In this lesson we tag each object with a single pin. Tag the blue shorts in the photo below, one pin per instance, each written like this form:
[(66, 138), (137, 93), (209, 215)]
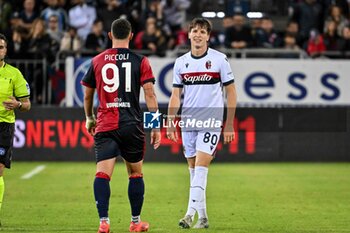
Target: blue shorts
[(128, 142), (7, 131)]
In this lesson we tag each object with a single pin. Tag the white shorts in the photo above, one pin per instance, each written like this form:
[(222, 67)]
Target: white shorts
[(205, 141)]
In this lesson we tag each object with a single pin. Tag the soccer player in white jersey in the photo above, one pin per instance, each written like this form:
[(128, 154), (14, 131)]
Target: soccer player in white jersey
[(200, 75)]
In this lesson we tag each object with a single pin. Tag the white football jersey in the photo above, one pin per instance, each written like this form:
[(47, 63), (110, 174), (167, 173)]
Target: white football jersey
[(202, 79)]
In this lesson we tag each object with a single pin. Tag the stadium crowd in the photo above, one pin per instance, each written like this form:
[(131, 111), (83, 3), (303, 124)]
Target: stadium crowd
[(39, 28), (52, 29)]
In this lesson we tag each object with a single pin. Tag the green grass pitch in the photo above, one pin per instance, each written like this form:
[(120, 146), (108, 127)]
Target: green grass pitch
[(247, 198)]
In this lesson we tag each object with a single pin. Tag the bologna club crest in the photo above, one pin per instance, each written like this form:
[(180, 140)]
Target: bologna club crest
[(208, 65)]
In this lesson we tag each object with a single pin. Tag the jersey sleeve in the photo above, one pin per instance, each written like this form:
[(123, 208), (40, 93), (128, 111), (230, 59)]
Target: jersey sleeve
[(226, 72), (89, 78), (177, 80), (21, 87), (146, 72)]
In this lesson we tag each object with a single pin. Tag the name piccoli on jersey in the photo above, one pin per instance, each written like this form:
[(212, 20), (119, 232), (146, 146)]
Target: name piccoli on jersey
[(117, 57)]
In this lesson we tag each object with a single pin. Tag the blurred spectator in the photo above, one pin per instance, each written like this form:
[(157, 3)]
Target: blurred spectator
[(138, 38), (293, 29), (53, 29), (97, 39), (82, 16), (266, 37), (335, 15), (226, 23), (255, 25), (16, 23), (308, 15), (154, 40), (155, 10), (18, 45), (342, 4), (344, 41), (113, 9), (40, 43), (40, 46), (330, 36), (53, 8), (28, 14), (5, 14), (290, 42), (238, 6), (134, 9), (239, 35), (71, 42), (175, 13), (315, 46), (181, 38)]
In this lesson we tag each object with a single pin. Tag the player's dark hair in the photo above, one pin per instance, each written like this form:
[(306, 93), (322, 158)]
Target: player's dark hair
[(121, 28), (3, 37), (202, 23)]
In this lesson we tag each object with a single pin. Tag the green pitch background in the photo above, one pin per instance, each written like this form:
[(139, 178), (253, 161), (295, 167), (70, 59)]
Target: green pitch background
[(276, 197)]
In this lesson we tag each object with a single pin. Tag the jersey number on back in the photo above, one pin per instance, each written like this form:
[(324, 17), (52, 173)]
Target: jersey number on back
[(113, 83)]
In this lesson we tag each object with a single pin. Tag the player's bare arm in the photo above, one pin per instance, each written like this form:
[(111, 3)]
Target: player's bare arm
[(229, 134), (12, 103), (173, 108), (88, 108), (152, 106)]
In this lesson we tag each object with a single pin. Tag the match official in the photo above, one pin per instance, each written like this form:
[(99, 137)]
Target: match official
[(14, 94)]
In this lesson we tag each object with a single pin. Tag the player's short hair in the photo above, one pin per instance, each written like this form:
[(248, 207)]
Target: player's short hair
[(121, 28), (202, 23), (3, 37)]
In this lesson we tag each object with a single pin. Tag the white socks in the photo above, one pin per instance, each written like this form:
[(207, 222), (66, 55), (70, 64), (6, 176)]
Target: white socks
[(135, 219), (105, 219), (190, 211), (197, 200)]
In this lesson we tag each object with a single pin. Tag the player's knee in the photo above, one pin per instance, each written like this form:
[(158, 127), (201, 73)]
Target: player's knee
[(135, 175), (102, 175)]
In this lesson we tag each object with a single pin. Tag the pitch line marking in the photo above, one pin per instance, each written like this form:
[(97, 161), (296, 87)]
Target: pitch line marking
[(33, 172)]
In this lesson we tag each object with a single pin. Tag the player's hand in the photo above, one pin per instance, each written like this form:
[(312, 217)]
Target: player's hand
[(11, 103), (172, 135), (90, 124), (229, 134), (155, 138)]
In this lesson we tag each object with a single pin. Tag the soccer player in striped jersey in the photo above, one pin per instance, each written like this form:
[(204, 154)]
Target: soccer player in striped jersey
[(118, 74), (200, 75)]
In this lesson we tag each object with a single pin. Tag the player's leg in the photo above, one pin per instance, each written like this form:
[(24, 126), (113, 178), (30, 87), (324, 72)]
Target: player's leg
[(189, 146), (6, 138), (136, 191), (2, 184), (106, 151), (191, 167), (205, 145), (132, 148), (198, 188), (104, 170)]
